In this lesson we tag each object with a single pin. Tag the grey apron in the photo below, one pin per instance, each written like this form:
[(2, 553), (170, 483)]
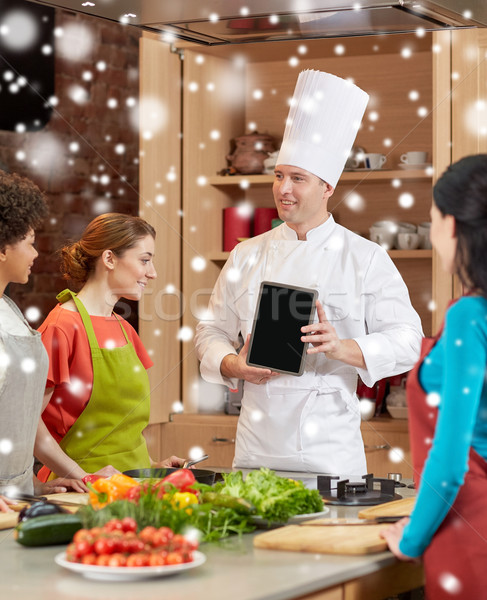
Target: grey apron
[(21, 397)]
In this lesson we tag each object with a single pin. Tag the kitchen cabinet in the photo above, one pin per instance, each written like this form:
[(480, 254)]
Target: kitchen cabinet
[(386, 441), (422, 91), (214, 434), (387, 449)]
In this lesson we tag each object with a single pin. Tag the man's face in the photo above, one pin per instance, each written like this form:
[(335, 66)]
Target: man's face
[(301, 198)]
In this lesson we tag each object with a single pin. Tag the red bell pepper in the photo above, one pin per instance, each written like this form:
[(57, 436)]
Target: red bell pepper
[(182, 480), (91, 478)]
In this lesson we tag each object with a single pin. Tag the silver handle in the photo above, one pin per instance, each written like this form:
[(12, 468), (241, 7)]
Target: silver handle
[(378, 447), (223, 440), (190, 463)]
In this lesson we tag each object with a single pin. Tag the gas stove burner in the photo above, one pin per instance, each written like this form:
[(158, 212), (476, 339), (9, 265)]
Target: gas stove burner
[(356, 487), (372, 490)]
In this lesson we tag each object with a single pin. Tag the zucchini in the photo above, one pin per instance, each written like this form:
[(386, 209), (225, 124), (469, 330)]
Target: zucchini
[(48, 530)]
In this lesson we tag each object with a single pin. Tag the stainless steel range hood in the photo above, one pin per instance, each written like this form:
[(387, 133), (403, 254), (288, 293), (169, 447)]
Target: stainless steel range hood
[(214, 22)]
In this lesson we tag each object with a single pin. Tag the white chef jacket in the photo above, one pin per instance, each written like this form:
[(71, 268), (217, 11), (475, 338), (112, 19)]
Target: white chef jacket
[(311, 422)]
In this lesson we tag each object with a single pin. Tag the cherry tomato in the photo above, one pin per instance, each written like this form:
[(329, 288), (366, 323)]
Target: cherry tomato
[(129, 524), (156, 560), (141, 559), (113, 525), (117, 560), (174, 558), (179, 542), (71, 553), (104, 545), (147, 534), (89, 559), (82, 548), (82, 534), (102, 560), (162, 537), (136, 545)]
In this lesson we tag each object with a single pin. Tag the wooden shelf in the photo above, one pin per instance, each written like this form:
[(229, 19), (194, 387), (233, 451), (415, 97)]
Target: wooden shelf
[(363, 176), (221, 257)]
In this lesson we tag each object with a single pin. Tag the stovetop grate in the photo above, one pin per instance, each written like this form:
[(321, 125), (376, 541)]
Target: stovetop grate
[(371, 490)]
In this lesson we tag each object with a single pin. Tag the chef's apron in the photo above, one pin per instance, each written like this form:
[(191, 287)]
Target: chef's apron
[(109, 430), (309, 423), (21, 397), (457, 554)]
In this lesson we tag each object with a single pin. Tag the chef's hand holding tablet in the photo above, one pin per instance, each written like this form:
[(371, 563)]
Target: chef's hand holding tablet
[(322, 337), (235, 365)]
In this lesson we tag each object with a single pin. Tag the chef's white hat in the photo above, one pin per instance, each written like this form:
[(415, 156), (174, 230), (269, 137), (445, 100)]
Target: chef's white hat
[(322, 124)]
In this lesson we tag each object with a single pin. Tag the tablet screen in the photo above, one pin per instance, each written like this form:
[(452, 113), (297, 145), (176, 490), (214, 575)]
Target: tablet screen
[(275, 342)]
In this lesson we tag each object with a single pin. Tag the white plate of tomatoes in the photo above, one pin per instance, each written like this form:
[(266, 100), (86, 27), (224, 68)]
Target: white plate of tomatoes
[(117, 552), (127, 573)]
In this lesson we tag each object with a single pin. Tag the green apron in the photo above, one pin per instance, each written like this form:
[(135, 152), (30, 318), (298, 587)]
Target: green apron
[(109, 430)]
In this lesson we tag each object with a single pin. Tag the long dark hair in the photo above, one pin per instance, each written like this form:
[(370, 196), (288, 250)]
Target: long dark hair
[(462, 192)]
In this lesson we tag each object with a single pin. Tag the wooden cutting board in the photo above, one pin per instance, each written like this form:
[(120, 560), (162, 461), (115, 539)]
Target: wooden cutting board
[(397, 508), (73, 497), (333, 539), (8, 520)]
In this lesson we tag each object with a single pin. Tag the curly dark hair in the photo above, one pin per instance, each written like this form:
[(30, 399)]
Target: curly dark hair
[(22, 208), (462, 192)]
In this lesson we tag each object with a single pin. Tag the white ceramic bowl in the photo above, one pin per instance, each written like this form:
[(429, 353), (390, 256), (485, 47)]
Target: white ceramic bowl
[(398, 412)]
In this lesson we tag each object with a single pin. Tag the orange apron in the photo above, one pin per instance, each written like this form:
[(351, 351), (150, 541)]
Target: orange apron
[(455, 562)]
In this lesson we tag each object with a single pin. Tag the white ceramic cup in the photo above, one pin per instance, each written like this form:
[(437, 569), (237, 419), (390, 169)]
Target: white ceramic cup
[(403, 227), (383, 236), (424, 235), (414, 158), (374, 160), (408, 241)]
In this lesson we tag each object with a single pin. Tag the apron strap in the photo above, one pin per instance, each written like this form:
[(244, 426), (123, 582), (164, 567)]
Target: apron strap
[(66, 295)]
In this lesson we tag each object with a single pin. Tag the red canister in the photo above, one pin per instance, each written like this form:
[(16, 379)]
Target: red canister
[(236, 224), (263, 219)]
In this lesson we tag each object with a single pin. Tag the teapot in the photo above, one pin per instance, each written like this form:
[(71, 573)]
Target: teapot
[(355, 157), (250, 152)]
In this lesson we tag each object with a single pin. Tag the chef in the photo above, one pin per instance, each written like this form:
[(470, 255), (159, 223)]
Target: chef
[(365, 323)]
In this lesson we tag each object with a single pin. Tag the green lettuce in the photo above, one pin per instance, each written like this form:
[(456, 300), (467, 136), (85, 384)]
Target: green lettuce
[(275, 498)]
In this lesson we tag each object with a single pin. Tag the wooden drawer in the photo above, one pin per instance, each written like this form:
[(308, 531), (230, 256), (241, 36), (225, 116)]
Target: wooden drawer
[(387, 447), (214, 434)]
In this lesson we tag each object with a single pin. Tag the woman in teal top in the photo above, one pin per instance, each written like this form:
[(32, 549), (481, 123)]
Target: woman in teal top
[(447, 396)]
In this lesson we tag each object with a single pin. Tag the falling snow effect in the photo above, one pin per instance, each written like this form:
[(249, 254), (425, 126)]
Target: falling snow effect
[(450, 583)]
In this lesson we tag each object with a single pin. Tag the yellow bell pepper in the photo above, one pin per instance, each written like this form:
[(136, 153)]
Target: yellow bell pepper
[(182, 500)]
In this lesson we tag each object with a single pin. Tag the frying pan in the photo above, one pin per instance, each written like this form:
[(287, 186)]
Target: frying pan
[(201, 475)]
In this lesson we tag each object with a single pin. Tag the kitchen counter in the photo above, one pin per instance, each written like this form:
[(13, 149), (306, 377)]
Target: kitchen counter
[(233, 569)]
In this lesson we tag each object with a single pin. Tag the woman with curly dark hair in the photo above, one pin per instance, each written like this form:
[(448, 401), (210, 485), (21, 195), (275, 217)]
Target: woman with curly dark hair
[(447, 398), (23, 360)]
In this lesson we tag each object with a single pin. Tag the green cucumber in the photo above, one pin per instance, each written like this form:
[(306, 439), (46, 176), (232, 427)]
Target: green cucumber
[(48, 530)]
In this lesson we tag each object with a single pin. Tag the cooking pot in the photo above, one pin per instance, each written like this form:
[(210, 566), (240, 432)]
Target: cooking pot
[(201, 475)]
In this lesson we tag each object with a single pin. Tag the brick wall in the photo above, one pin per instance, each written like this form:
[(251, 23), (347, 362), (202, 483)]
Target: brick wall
[(94, 166)]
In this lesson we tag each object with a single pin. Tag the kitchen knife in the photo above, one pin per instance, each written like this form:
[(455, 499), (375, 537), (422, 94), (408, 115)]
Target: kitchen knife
[(31, 498), (345, 521)]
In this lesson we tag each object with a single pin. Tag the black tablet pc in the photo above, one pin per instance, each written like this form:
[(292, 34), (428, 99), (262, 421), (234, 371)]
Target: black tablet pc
[(275, 341)]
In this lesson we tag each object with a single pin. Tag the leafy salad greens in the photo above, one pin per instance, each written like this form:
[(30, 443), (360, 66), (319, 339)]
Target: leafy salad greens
[(275, 498)]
